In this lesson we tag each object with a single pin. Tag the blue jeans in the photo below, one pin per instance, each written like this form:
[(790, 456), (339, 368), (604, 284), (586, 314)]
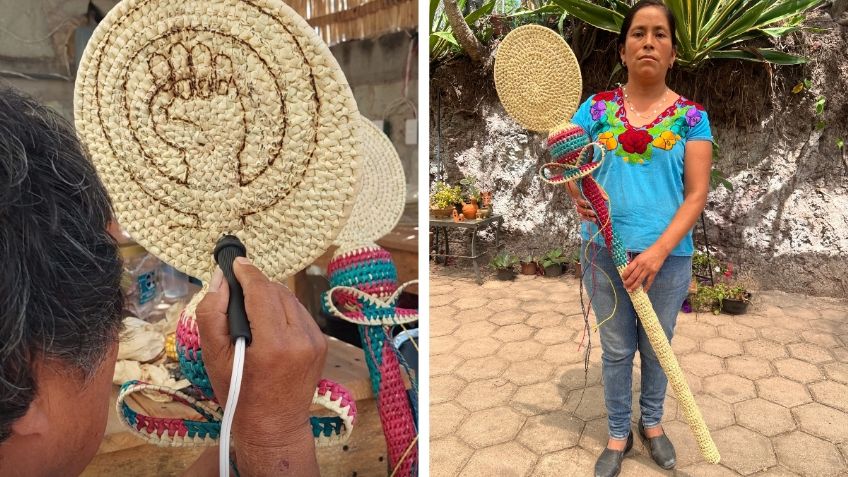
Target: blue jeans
[(623, 334)]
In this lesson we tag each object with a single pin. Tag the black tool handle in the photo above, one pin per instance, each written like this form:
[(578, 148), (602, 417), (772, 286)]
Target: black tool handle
[(228, 248)]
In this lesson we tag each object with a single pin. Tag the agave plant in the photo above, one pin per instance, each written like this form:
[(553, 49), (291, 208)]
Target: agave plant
[(708, 29)]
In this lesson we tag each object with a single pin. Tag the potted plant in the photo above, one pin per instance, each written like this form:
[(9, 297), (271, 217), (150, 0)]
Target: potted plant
[(472, 193), (735, 292), (444, 199), (529, 265), (504, 263), (729, 295), (552, 262)]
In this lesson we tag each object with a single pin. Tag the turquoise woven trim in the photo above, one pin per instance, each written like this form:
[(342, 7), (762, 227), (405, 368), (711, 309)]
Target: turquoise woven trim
[(203, 429), (562, 148), (326, 426), (373, 311), (129, 414), (353, 276), (194, 370), (619, 256), (373, 352)]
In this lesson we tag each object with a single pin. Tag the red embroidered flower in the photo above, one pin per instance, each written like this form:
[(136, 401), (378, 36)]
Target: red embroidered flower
[(635, 141), (605, 96)]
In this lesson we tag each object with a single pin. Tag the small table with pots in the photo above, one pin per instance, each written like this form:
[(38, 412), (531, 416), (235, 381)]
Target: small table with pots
[(439, 228)]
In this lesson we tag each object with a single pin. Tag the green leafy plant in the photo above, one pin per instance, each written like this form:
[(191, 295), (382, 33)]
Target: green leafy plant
[(702, 263), (442, 41), (530, 259), (470, 190), (802, 85), (504, 260), (712, 298), (553, 257), (711, 29), (445, 196)]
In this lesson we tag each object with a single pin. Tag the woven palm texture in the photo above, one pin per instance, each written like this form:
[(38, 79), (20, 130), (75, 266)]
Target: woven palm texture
[(573, 154), (364, 290), (205, 429), (213, 117)]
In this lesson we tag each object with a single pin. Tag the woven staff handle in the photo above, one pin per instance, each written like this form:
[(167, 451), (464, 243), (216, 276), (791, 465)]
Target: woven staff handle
[(645, 311), (204, 432), (376, 301)]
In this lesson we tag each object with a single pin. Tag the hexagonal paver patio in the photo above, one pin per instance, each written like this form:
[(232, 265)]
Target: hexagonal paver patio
[(510, 396)]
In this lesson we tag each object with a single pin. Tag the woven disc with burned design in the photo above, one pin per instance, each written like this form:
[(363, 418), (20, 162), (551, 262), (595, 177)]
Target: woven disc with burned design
[(219, 116)]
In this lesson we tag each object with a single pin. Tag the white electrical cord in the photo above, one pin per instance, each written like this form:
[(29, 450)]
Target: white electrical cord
[(230, 410)]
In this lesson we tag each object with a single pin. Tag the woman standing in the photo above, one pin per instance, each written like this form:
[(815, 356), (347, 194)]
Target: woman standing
[(656, 173)]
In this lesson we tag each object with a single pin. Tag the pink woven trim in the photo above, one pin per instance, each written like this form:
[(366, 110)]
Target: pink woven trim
[(357, 257), (395, 412), (337, 391), (567, 132), (381, 289), (187, 335), (159, 425)]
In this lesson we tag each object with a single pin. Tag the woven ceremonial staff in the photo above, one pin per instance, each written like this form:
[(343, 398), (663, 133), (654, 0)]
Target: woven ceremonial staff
[(538, 80), (364, 290)]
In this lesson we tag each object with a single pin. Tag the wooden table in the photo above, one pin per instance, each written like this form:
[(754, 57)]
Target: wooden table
[(441, 226), (122, 453)]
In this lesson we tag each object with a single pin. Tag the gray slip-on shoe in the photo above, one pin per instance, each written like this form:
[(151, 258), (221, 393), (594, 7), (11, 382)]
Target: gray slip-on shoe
[(609, 462), (662, 450)]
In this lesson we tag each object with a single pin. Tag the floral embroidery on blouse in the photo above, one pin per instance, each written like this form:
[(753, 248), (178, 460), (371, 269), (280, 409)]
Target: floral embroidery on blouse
[(633, 144)]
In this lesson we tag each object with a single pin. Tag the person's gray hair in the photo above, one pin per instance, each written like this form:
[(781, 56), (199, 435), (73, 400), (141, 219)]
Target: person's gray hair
[(60, 270)]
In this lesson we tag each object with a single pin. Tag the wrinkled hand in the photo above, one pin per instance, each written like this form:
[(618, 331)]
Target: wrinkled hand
[(282, 366), (643, 269), (584, 209)]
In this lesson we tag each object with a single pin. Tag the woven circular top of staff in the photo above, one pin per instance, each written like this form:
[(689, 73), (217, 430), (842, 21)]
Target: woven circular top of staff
[(537, 77), (381, 199), (211, 117)]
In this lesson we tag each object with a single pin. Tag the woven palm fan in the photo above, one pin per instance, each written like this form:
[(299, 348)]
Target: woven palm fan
[(207, 118), (539, 83), (365, 291)]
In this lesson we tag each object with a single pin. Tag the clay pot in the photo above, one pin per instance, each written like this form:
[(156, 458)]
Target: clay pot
[(528, 268), (487, 199), (469, 210), (441, 213)]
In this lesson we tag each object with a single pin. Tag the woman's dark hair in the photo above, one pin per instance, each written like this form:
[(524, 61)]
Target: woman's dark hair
[(628, 20), (60, 271)]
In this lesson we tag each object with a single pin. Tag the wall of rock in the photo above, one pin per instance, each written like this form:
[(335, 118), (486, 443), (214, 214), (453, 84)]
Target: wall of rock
[(786, 219)]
